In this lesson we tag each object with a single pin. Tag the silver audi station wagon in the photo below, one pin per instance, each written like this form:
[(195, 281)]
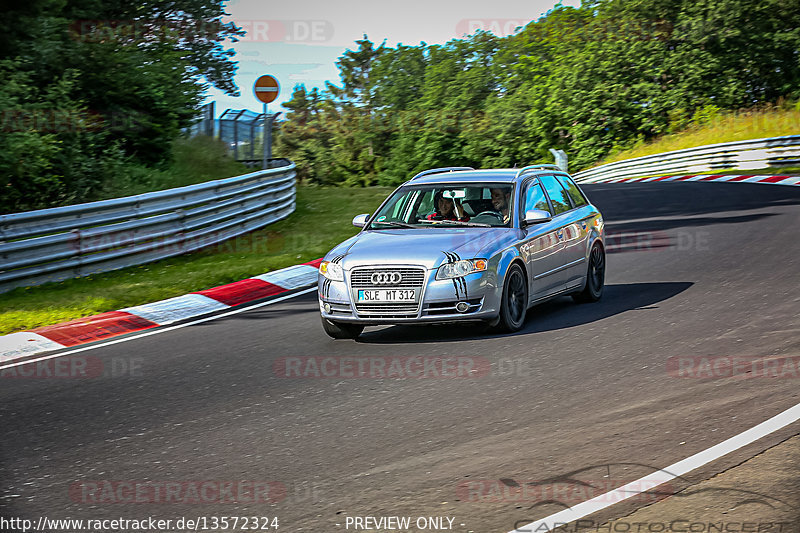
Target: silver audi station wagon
[(458, 244)]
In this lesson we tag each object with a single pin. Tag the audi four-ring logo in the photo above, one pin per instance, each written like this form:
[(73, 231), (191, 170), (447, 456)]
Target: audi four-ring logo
[(386, 278)]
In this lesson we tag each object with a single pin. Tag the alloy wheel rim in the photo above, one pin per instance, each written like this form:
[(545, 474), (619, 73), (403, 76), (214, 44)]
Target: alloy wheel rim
[(516, 295), (598, 268)]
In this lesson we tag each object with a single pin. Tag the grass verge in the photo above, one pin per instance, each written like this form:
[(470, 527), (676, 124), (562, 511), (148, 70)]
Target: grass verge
[(194, 160), (323, 219), (719, 128)]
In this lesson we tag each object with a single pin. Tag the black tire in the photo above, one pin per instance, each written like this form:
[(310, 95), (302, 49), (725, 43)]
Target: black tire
[(514, 305), (595, 277), (341, 330)]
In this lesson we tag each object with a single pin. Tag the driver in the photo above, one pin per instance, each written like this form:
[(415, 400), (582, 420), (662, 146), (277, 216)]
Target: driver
[(500, 198), (448, 209)]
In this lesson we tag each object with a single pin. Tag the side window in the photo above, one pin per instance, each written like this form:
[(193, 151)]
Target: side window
[(574, 192), (400, 211), (426, 205), (399, 206), (535, 198), (558, 194)]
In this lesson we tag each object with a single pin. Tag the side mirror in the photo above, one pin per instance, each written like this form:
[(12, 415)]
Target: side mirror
[(536, 216), (360, 221)]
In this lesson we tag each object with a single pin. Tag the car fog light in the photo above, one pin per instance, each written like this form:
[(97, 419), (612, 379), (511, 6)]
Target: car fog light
[(327, 307), (462, 307)]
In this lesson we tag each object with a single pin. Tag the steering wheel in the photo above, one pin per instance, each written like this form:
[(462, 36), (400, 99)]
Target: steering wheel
[(491, 213)]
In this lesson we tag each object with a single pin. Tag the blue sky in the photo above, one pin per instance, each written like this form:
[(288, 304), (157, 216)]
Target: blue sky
[(298, 41)]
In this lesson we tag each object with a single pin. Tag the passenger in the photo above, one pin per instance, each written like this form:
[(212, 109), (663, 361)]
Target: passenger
[(448, 209), (500, 198)]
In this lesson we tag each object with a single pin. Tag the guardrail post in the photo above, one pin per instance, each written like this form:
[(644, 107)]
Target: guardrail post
[(75, 238), (182, 229)]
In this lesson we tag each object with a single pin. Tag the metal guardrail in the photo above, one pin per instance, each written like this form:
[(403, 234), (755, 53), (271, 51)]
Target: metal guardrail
[(742, 155), (67, 242)]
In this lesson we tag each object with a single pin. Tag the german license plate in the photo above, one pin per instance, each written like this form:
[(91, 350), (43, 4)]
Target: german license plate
[(387, 295)]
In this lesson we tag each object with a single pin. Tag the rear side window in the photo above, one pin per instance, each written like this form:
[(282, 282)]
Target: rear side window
[(535, 198), (574, 192), (557, 193)]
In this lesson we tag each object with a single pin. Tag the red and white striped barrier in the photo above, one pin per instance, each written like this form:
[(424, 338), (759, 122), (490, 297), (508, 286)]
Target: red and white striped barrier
[(772, 180), (131, 319)]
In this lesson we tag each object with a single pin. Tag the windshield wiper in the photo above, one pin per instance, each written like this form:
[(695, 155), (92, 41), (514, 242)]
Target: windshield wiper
[(393, 224)]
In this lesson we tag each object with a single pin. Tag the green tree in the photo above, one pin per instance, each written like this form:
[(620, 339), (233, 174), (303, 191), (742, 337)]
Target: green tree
[(118, 80)]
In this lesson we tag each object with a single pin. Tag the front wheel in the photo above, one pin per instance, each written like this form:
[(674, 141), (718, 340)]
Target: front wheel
[(515, 300), (595, 277), (341, 330)]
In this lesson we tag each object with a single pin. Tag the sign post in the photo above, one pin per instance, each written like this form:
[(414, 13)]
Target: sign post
[(561, 158), (266, 90)]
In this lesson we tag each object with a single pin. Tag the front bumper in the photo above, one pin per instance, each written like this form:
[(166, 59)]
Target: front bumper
[(436, 300)]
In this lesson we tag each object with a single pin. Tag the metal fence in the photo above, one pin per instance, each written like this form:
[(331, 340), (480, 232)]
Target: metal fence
[(738, 155), (73, 241), (206, 124), (241, 130)]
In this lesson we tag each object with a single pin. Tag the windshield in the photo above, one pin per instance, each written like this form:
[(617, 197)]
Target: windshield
[(452, 205)]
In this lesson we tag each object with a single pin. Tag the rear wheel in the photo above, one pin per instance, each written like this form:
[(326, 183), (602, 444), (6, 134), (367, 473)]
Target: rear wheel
[(595, 277), (515, 300), (341, 330)]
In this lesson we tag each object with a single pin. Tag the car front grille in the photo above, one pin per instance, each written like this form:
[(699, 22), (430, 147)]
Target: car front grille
[(387, 309), (410, 278)]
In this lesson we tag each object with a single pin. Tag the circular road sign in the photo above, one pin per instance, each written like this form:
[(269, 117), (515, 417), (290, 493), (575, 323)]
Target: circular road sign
[(267, 88)]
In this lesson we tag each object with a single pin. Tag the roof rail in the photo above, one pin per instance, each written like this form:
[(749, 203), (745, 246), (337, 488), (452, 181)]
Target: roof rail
[(540, 166), (439, 171)]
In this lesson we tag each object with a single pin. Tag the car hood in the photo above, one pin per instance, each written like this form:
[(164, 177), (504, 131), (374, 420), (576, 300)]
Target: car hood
[(423, 246)]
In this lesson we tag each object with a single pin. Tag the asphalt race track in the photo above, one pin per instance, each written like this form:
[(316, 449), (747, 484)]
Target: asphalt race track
[(584, 392)]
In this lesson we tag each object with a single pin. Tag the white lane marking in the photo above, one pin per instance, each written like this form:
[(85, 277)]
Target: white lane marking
[(149, 332), (22, 343), (664, 475), (175, 309)]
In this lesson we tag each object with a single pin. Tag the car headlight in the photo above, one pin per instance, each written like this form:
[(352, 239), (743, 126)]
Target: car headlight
[(332, 271), (461, 268)]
